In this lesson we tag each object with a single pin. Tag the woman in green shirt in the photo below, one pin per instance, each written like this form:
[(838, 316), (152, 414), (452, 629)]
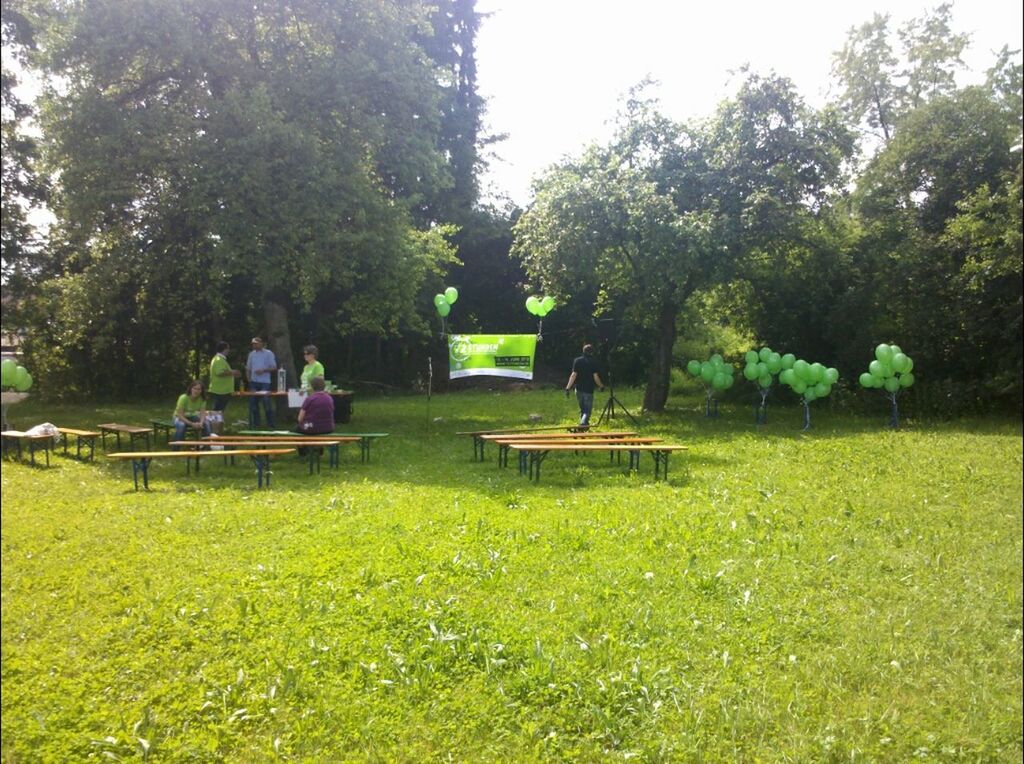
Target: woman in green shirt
[(190, 411), (313, 367)]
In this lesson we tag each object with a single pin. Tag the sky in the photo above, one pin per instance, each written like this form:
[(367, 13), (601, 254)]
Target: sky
[(554, 71)]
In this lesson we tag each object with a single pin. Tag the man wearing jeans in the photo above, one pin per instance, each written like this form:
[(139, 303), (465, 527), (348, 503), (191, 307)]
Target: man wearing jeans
[(260, 364), (584, 378)]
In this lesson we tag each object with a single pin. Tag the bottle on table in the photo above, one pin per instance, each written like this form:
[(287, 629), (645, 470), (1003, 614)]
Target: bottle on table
[(282, 380)]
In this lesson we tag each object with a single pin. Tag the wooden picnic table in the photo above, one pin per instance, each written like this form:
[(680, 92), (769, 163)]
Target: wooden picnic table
[(141, 461), (504, 441), (538, 451), (131, 431), (34, 443), (342, 403), (313, 443), (365, 438), (478, 435)]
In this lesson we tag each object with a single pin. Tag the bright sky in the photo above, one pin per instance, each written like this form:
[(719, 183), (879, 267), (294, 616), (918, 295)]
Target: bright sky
[(553, 71)]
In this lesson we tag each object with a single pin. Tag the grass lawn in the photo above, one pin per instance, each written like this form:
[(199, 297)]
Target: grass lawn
[(847, 594)]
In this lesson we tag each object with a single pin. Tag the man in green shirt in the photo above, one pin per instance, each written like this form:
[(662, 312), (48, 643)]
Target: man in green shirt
[(222, 377)]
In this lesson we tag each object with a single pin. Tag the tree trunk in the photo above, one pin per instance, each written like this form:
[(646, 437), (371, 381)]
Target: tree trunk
[(660, 371), (279, 338)]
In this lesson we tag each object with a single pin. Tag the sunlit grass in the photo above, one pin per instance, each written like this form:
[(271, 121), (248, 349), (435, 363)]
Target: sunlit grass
[(849, 593)]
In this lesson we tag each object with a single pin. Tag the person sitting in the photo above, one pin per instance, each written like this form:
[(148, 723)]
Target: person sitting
[(316, 417), (190, 411)]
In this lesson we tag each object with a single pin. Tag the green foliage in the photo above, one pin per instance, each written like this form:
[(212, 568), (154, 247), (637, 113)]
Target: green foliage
[(781, 597)]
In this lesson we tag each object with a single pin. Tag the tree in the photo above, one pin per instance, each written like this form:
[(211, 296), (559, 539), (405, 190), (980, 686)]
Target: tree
[(270, 158), (22, 187)]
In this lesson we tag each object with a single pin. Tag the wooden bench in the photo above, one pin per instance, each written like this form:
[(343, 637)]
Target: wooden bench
[(131, 431), (233, 443), (34, 442), (538, 452), (478, 441), (88, 437), (502, 441), (365, 438), (141, 460)]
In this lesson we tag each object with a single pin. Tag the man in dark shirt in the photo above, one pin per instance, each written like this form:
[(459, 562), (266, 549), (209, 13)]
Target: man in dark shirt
[(584, 378)]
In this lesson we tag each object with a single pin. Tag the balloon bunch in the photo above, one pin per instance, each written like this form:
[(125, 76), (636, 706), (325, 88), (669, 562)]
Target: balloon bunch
[(443, 303), (892, 370), (716, 375), (14, 376), (540, 307), (761, 367), (811, 380)]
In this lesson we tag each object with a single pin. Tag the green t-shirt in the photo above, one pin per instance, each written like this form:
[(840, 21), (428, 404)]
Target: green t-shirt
[(221, 385), (315, 369), (189, 406)]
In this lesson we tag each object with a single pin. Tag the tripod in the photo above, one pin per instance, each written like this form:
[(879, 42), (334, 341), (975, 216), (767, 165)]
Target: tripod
[(608, 412)]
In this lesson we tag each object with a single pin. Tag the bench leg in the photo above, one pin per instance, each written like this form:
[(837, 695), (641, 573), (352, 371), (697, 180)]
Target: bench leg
[(334, 456), (364, 450), (91, 443), (141, 465), (262, 465)]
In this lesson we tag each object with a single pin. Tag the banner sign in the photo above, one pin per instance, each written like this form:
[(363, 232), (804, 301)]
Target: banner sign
[(491, 355)]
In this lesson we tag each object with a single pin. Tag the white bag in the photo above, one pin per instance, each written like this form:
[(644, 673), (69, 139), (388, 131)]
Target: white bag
[(46, 429)]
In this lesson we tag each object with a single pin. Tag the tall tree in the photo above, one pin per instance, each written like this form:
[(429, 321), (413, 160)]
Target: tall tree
[(281, 150), (22, 187), (666, 209)]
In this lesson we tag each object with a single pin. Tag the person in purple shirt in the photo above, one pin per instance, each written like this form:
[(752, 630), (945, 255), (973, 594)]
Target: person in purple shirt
[(316, 417)]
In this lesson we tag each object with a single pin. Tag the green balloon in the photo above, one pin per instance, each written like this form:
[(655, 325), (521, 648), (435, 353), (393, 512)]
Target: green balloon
[(821, 390), (439, 300), (899, 361), (787, 376), (877, 381), (693, 367), (909, 365), (809, 394), (801, 369), (883, 353), (895, 349), (23, 381), (548, 303), (832, 375), (892, 384), (765, 353), (764, 381), (707, 371), (8, 369), (866, 380), (774, 363), (718, 381), (729, 381), (532, 304), (717, 360), (906, 380), (444, 309), (876, 369), (788, 360), (451, 294), (818, 372), (750, 356), (750, 371), (799, 387)]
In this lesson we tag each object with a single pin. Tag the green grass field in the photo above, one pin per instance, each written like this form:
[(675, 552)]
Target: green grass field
[(847, 594)]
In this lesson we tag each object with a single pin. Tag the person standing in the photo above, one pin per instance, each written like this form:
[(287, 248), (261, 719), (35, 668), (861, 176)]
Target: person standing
[(222, 377), (584, 378), (313, 367), (260, 364)]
